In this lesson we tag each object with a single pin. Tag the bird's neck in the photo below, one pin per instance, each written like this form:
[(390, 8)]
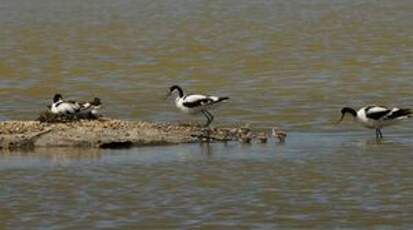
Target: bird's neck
[(57, 102), (180, 93), (350, 111), (179, 89), (178, 99)]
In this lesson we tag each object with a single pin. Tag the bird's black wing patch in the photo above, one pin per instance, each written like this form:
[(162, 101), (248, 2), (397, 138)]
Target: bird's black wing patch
[(376, 115), (57, 104), (198, 103), (398, 113)]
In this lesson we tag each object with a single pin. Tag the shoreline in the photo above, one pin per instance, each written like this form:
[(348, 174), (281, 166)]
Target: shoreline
[(112, 133)]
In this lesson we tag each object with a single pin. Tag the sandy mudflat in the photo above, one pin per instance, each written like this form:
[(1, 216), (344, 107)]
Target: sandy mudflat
[(108, 133)]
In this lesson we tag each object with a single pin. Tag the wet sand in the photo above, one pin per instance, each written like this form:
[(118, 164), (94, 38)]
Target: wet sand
[(112, 133)]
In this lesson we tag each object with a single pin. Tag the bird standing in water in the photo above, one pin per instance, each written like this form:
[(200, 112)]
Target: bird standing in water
[(376, 117), (196, 103)]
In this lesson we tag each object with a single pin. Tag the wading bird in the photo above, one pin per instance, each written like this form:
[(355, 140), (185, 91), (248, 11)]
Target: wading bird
[(196, 103), (376, 117)]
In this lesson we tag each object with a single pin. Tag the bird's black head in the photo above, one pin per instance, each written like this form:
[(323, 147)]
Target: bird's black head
[(57, 97), (349, 110), (176, 87), (346, 110), (96, 101)]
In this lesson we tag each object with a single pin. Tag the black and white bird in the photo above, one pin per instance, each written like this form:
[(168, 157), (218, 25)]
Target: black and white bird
[(377, 117), (61, 106), (196, 103)]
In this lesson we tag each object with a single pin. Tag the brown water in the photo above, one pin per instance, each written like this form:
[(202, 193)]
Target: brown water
[(292, 64), (314, 181)]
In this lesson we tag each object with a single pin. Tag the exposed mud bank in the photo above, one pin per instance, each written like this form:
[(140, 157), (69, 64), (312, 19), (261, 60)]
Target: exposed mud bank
[(112, 133)]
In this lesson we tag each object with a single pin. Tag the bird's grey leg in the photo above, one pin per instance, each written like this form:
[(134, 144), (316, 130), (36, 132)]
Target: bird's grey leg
[(381, 134), (210, 116)]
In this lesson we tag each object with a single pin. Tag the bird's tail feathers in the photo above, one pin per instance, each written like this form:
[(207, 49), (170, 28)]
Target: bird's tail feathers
[(401, 113), (222, 99)]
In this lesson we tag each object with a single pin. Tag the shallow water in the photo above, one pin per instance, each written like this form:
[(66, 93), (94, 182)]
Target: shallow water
[(313, 181), (292, 64)]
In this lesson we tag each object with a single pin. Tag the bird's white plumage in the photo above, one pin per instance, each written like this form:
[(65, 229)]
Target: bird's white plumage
[(94, 109), (62, 107), (375, 109), (195, 103), (193, 97), (377, 116)]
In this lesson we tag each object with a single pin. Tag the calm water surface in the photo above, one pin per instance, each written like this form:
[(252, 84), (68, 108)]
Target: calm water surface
[(313, 181), (292, 64)]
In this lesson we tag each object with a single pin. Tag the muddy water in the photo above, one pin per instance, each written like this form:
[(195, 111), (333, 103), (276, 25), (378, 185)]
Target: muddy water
[(292, 64), (314, 181)]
